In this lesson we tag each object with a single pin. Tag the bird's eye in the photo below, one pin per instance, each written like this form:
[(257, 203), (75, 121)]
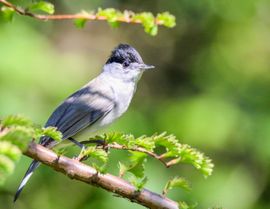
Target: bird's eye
[(125, 64)]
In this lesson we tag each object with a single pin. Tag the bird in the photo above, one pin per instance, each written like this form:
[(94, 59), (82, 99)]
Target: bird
[(97, 104)]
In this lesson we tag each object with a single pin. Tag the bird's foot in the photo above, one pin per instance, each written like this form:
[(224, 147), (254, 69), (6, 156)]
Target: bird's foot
[(99, 142)]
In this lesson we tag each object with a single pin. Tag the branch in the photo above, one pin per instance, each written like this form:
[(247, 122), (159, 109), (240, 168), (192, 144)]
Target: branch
[(139, 149), (21, 11), (79, 171)]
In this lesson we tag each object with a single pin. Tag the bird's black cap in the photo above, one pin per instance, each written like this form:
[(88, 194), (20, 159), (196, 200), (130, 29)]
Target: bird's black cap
[(124, 54)]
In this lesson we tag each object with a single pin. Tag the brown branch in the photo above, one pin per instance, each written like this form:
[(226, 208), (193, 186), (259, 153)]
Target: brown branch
[(138, 149), (82, 172), (21, 11)]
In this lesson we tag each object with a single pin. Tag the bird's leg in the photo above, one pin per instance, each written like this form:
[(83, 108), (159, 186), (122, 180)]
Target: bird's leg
[(81, 145), (94, 141), (99, 142)]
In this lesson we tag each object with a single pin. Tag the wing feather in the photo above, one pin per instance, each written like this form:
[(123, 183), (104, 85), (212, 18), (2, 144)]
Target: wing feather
[(81, 109)]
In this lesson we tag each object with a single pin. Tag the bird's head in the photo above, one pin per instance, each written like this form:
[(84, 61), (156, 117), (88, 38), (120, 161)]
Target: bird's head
[(126, 63)]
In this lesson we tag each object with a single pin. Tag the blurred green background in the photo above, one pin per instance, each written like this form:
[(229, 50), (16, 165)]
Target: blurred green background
[(211, 88)]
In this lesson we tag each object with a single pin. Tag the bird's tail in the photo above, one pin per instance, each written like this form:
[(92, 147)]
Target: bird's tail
[(26, 177)]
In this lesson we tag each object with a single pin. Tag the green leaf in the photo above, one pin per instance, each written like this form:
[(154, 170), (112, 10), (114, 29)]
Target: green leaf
[(166, 19), (100, 168), (183, 153), (118, 138), (139, 183), (6, 167), (7, 13), (16, 120), (19, 136), (147, 143), (197, 159), (184, 205), (9, 154), (43, 6), (80, 22), (52, 133), (111, 15), (177, 182), (96, 153), (122, 169), (148, 21), (169, 142), (114, 24), (137, 166), (10, 150), (153, 30)]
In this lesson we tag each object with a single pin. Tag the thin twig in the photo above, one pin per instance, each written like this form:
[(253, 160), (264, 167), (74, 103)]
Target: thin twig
[(173, 162), (21, 11), (138, 149), (82, 172)]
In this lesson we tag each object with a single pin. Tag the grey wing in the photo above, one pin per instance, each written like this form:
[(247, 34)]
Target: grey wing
[(81, 109)]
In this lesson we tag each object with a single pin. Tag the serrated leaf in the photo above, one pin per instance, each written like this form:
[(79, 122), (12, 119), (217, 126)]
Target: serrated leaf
[(100, 168), (137, 170), (52, 133), (111, 15), (183, 153), (147, 143), (177, 182), (118, 138), (122, 169), (175, 152), (19, 136), (166, 19), (7, 13), (6, 165), (197, 159), (43, 6), (96, 153), (10, 150), (80, 22), (184, 205), (148, 21), (139, 183), (16, 120), (137, 166), (169, 142)]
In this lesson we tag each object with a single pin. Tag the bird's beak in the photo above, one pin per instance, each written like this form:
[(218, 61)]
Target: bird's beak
[(146, 67)]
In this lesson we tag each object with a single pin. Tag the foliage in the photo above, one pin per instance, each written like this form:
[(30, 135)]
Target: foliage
[(111, 15), (211, 89), (177, 182), (175, 151), (17, 131), (41, 6), (7, 13), (15, 134), (184, 205), (140, 148), (147, 19)]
